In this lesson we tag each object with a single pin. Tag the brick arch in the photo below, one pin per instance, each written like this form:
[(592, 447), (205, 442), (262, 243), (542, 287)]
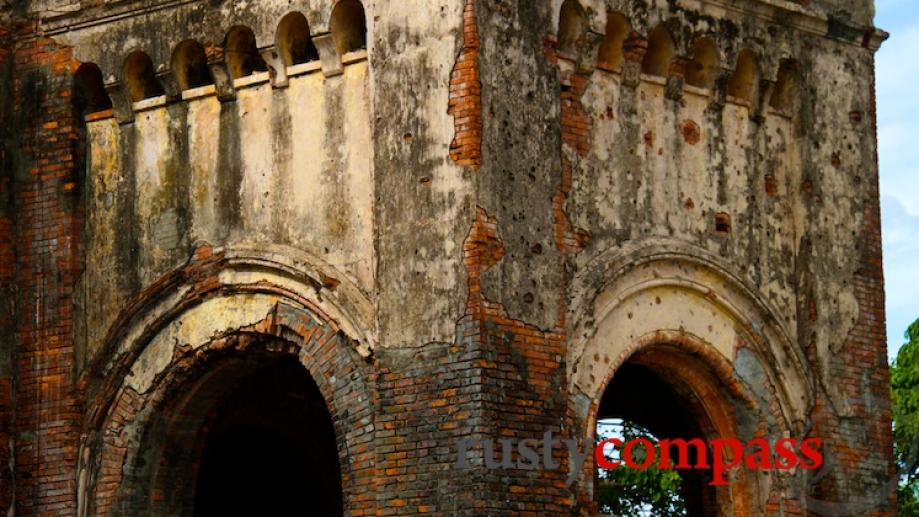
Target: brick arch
[(129, 384), (707, 330), (748, 324), (288, 328), (711, 398)]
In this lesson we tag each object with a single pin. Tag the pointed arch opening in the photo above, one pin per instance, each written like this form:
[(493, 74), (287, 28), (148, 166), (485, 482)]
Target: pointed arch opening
[(703, 67), (91, 96), (570, 27), (294, 41), (189, 64), (660, 53), (241, 52), (140, 77), (611, 55), (743, 81), (349, 26)]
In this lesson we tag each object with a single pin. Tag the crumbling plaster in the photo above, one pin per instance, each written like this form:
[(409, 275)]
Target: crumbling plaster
[(734, 224)]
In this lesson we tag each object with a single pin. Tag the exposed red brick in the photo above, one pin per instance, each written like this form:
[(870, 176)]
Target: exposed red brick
[(862, 380), (692, 134), (519, 399), (288, 330), (501, 377), (567, 238), (7, 325), (635, 48), (465, 102), (47, 265), (576, 124), (771, 184), (6, 452), (576, 127)]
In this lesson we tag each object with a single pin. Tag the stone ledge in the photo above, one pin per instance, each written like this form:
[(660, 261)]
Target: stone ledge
[(794, 15), (786, 12)]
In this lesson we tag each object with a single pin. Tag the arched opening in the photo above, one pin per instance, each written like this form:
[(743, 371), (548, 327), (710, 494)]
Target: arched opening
[(660, 53), (244, 433), (241, 53), (349, 26), (743, 80), (570, 26), (90, 90), (648, 492), (140, 77), (680, 400), (610, 55), (189, 64), (704, 64), (89, 102), (294, 41), (686, 320), (786, 85), (269, 448)]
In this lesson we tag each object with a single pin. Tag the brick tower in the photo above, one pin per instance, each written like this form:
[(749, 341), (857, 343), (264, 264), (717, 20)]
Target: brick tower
[(262, 254)]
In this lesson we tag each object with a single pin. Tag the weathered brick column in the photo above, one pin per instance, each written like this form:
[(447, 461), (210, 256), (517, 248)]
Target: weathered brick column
[(44, 187)]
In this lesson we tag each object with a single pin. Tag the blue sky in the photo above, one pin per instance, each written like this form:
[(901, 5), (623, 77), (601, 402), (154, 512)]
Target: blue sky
[(898, 140)]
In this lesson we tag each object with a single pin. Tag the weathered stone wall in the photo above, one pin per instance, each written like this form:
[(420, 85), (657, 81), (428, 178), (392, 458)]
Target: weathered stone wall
[(462, 225), (207, 171)]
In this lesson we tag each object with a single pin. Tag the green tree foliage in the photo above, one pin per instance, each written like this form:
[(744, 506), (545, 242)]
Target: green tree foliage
[(633, 492), (904, 384)]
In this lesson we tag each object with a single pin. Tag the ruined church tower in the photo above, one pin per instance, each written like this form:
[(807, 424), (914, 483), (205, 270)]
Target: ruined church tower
[(263, 254)]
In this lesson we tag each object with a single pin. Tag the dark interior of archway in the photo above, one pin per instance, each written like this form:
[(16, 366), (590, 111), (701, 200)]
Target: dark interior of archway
[(637, 394), (270, 449)]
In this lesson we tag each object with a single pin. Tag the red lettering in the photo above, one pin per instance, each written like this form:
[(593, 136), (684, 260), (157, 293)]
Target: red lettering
[(810, 449), (761, 457), (734, 457), (649, 453), (785, 448), (602, 461), (682, 447)]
